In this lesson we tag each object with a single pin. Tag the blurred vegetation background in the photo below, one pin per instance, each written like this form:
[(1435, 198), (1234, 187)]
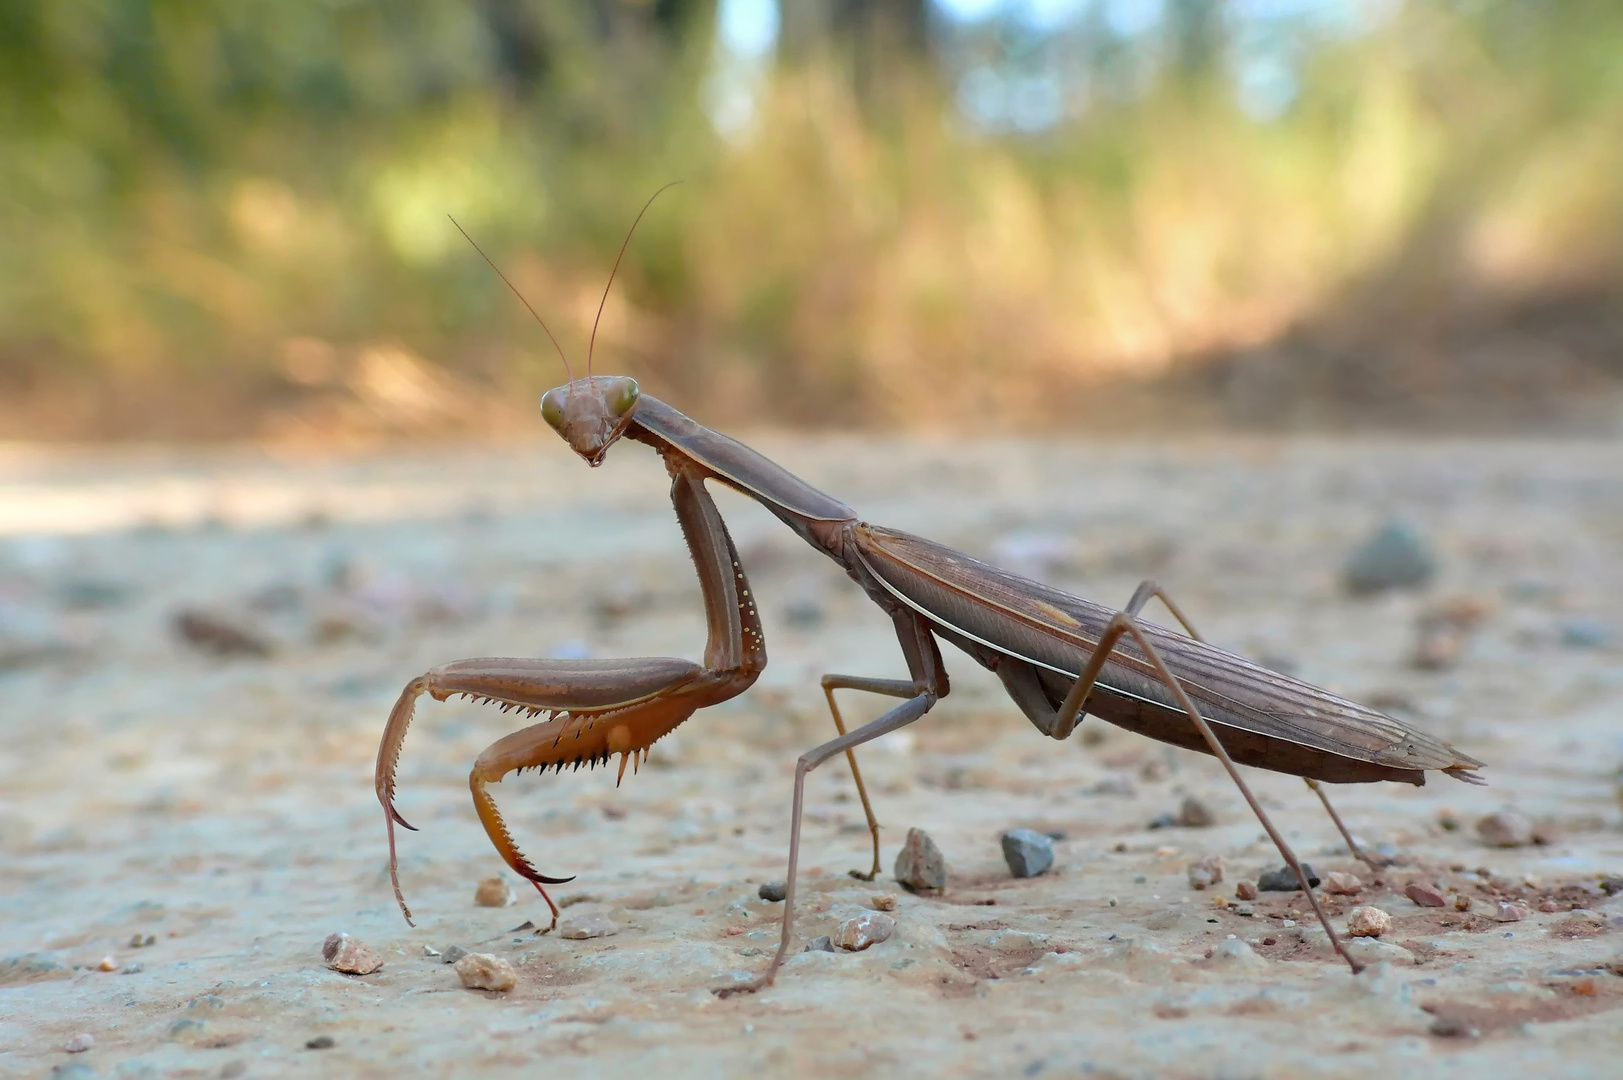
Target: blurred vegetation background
[(228, 218)]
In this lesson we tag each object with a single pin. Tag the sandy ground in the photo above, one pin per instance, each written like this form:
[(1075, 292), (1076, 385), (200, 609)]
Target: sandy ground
[(223, 806)]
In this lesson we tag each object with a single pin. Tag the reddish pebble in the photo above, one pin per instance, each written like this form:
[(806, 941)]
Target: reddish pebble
[(869, 928), (344, 953), (1509, 912), (1246, 890), (1342, 884), (1425, 895), (1549, 905)]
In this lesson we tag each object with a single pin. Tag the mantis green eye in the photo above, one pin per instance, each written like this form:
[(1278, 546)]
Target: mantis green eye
[(622, 396), (552, 409)]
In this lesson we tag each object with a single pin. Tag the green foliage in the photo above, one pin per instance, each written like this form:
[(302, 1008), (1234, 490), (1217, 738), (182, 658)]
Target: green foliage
[(219, 215)]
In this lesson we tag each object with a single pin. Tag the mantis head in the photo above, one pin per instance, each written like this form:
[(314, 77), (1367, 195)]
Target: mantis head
[(591, 413)]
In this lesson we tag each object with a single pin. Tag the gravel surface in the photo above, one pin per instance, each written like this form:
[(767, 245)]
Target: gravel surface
[(198, 651)]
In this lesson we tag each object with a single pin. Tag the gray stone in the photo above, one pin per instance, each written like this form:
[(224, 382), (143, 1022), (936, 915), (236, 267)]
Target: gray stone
[(1236, 955), (453, 954), (1165, 919), (1368, 950), (586, 924), (1579, 633), (773, 891), (1285, 880), (920, 866), (1395, 556), (820, 943), (1027, 852)]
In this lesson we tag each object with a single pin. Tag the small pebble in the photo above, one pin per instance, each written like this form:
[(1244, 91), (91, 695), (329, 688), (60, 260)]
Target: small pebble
[(1507, 828), (1611, 884), (187, 1029), (1342, 884), (494, 892), (1582, 633), (1028, 852), (1164, 919), (320, 1042), (1395, 556), (108, 963), (1162, 821), (217, 634), (1237, 955), (1368, 922), (773, 891), (1245, 910), (1246, 890), (861, 931), (920, 866), (820, 943), (1425, 895), (429, 950), (482, 971), (452, 954), (1285, 880), (884, 901), (1206, 872), (1509, 911), (79, 1043), (1462, 902), (1448, 1027), (587, 924), (1193, 814), (1549, 906), (142, 941), (344, 953), (1369, 951), (132, 969), (1445, 628)]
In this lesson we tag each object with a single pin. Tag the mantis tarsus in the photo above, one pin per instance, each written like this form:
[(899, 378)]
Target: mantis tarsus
[(1058, 656)]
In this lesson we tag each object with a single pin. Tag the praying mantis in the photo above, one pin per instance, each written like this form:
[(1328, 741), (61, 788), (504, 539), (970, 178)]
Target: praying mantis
[(1058, 656)]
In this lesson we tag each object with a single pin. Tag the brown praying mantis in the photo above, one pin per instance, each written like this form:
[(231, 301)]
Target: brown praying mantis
[(1059, 657)]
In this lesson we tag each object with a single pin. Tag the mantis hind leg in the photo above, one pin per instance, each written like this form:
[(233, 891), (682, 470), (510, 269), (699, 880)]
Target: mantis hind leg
[(1148, 590), (900, 688), (1124, 624)]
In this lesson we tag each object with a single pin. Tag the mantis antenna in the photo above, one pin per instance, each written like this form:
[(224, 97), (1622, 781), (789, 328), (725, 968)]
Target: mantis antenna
[(616, 270), (567, 370)]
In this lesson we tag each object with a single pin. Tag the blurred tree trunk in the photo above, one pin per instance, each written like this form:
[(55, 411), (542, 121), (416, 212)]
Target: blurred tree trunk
[(884, 42), (1198, 41)]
